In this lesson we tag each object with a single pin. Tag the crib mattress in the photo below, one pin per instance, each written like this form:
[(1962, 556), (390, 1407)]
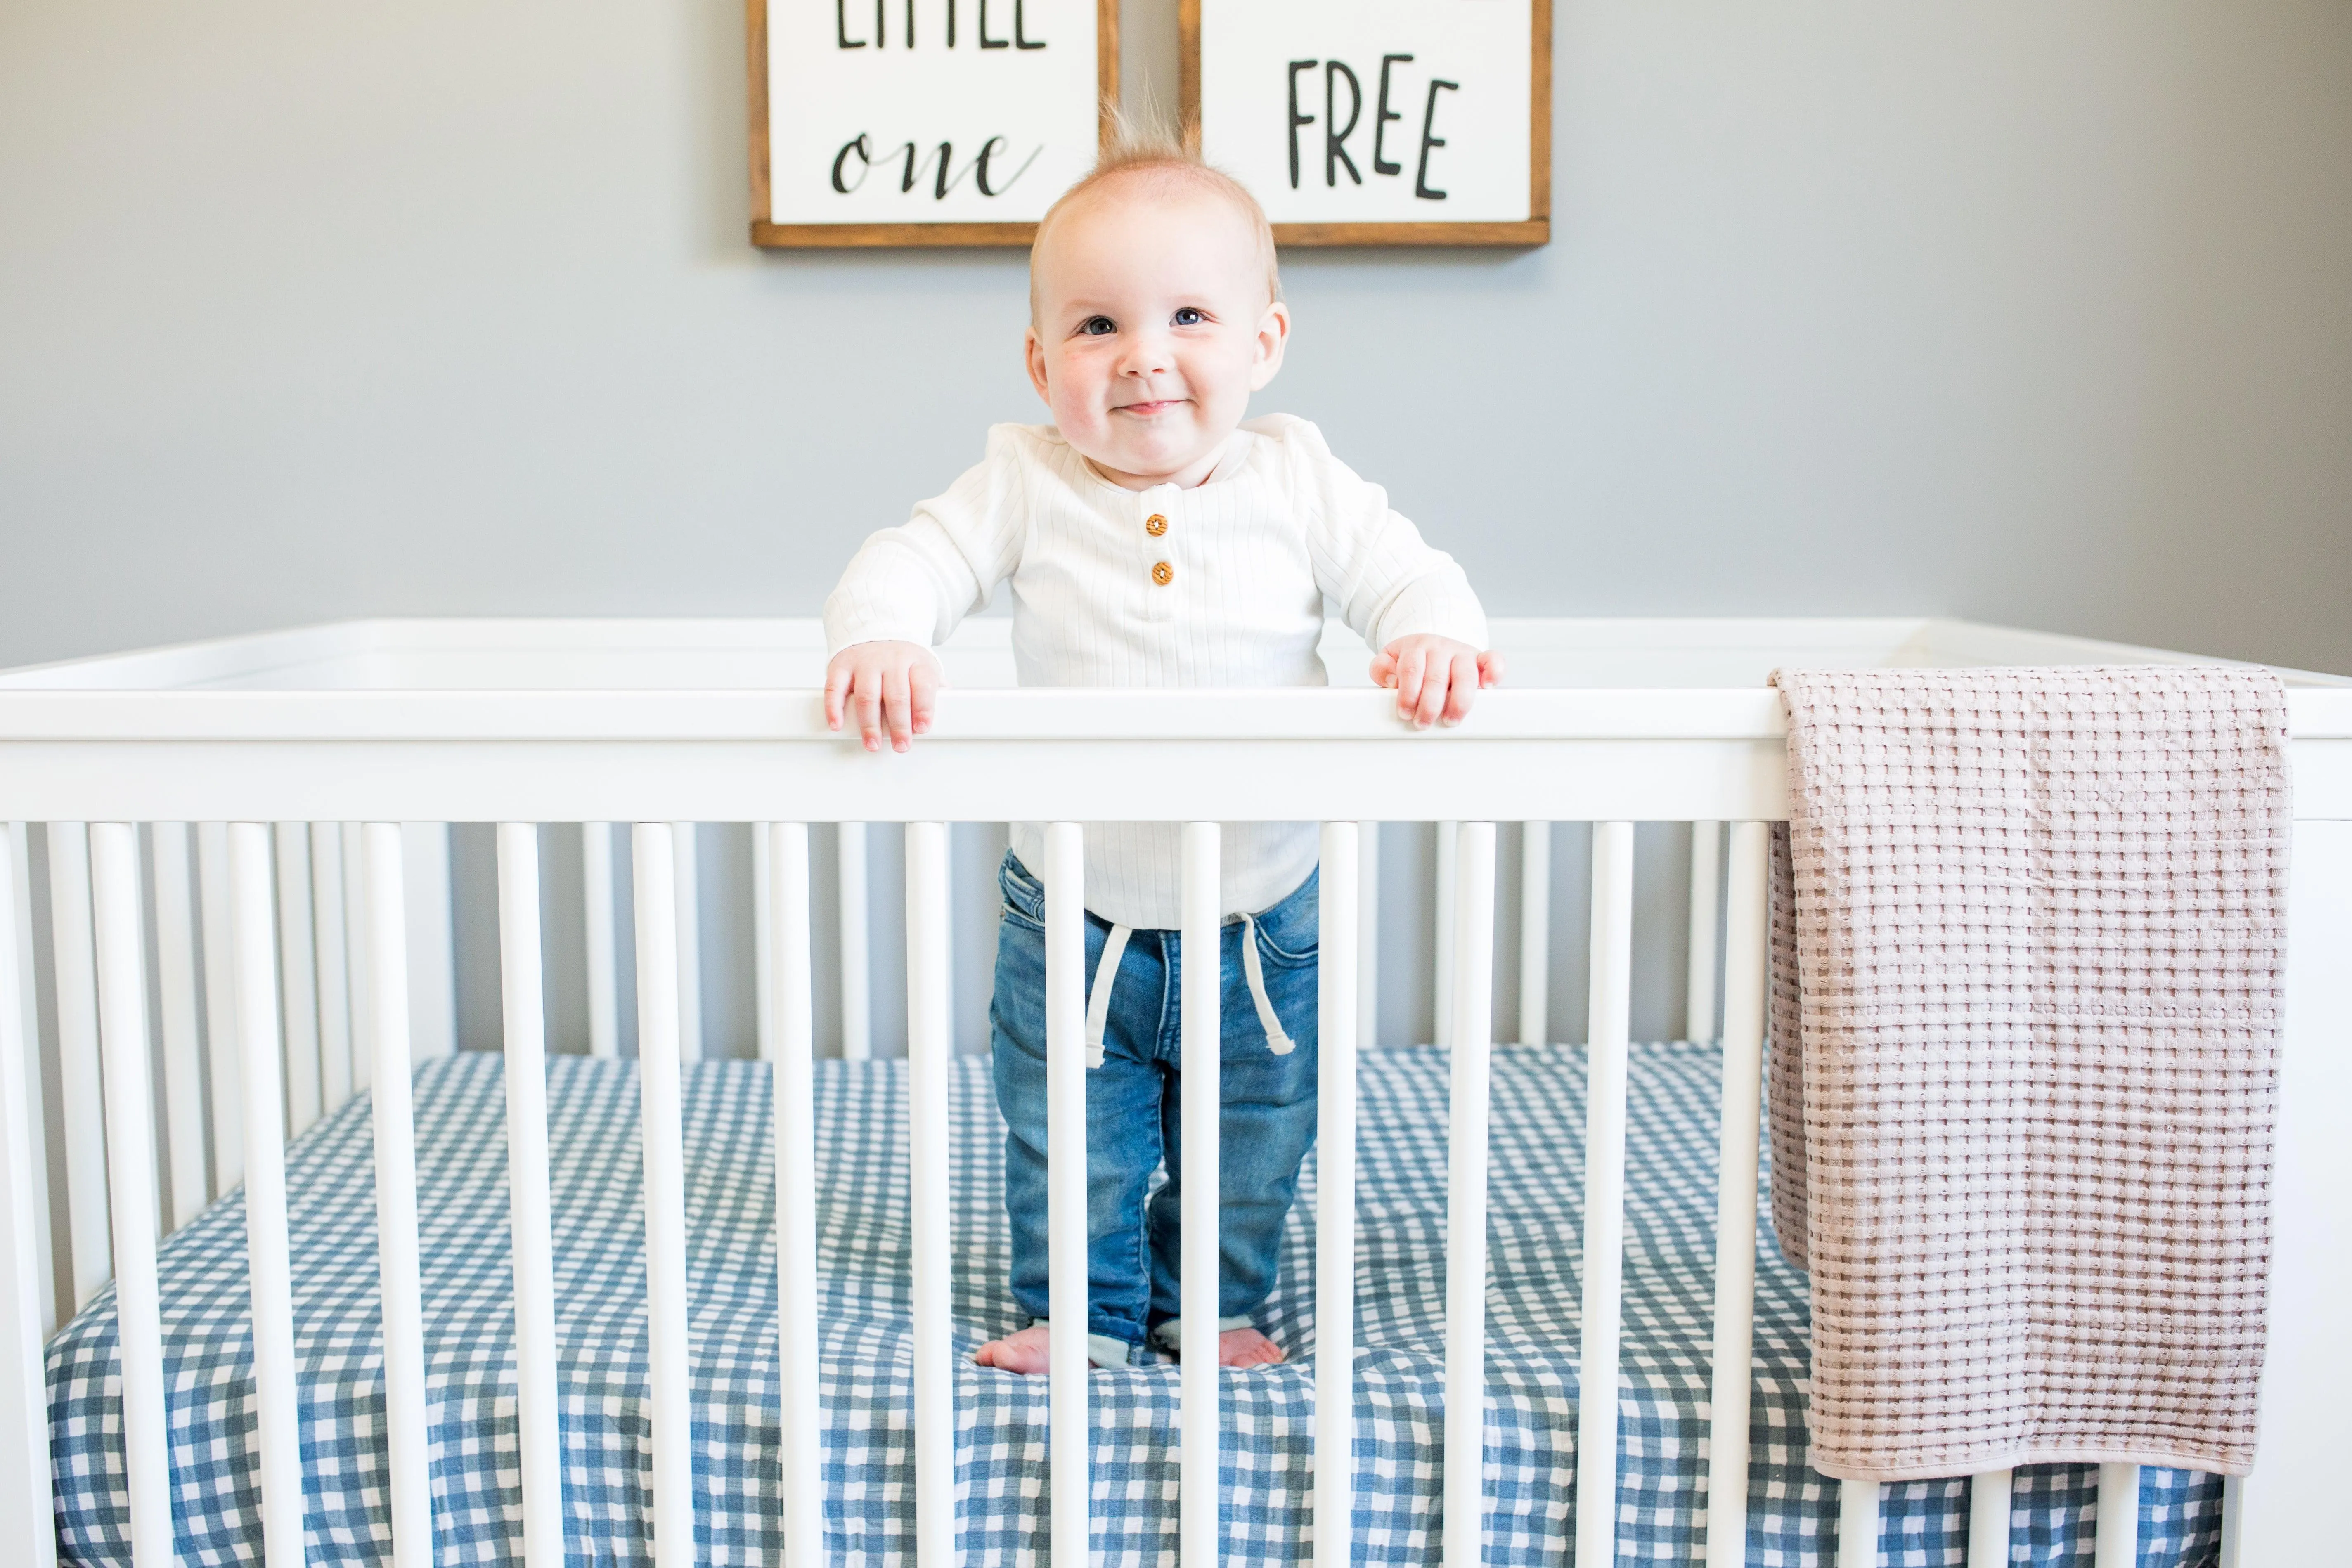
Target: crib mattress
[(1001, 1418)]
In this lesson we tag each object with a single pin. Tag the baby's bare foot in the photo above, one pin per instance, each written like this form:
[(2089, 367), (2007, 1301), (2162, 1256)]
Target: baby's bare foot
[(1026, 1352), (1246, 1347)]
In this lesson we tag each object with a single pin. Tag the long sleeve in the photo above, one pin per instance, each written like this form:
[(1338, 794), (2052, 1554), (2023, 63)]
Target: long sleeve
[(915, 581), (1369, 559)]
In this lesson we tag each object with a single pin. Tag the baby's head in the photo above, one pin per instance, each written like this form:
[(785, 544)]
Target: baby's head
[(1154, 311)]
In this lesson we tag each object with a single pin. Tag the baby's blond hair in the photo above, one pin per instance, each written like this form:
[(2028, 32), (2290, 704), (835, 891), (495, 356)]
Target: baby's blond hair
[(1140, 149)]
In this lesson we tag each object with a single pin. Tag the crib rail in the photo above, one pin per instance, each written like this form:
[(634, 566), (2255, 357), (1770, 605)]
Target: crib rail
[(319, 900)]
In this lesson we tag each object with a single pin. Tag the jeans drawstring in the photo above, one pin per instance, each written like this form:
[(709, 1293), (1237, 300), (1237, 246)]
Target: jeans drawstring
[(1098, 1001), (1278, 1042), (1107, 974)]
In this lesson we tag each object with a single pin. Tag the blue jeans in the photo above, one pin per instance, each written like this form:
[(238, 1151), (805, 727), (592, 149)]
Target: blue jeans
[(1132, 1123)]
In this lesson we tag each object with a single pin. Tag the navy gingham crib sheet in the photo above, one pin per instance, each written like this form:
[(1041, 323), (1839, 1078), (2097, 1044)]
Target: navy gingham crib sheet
[(1001, 1418)]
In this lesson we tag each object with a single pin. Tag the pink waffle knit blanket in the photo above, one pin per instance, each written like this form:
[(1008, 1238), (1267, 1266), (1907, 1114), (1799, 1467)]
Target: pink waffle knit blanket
[(2029, 928)]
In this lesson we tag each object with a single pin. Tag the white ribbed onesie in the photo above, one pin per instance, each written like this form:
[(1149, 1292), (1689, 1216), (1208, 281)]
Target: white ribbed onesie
[(1221, 584)]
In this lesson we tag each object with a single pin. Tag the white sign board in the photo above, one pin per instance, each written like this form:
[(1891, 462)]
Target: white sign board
[(1372, 121), (922, 121)]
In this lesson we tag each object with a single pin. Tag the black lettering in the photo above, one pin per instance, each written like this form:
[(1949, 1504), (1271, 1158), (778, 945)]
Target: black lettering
[(914, 169), (1381, 119), (910, 24), (1296, 119), (979, 167), (951, 5), (864, 151), (985, 41), (880, 42), (1335, 143), (1428, 119), (840, 27), (1020, 39)]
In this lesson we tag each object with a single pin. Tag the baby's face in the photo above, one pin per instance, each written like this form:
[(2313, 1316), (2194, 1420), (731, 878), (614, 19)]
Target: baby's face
[(1154, 326)]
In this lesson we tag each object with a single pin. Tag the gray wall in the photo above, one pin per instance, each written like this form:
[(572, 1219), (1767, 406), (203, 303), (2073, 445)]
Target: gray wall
[(2030, 310)]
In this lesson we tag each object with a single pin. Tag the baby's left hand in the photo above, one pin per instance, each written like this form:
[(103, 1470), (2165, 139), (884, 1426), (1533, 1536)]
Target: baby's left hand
[(1435, 678)]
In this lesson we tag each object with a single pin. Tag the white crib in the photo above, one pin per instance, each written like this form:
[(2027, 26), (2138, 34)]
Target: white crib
[(376, 734)]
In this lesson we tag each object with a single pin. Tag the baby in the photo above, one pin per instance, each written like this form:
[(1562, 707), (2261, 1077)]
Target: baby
[(1154, 539)]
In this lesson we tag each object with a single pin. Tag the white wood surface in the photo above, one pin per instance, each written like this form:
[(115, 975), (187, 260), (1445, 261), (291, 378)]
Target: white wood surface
[(248, 935), (407, 1440), (524, 1011), (1747, 938), (28, 1016), (1471, 950), (1070, 1457), (24, 1490), (118, 918), (1199, 1109), (1535, 932), (1858, 1524), (655, 847), (1606, 1032), (1339, 944), (929, 1044), (801, 1434), (1989, 1509)]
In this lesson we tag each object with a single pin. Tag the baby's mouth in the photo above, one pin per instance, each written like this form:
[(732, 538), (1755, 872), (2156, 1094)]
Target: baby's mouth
[(1145, 410)]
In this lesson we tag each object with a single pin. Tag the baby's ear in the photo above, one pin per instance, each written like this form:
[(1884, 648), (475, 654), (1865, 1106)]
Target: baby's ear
[(1032, 355), (1273, 337)]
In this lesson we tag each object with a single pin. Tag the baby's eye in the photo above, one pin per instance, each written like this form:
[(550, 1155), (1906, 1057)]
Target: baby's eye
[(1096, 326), (1190, 316)]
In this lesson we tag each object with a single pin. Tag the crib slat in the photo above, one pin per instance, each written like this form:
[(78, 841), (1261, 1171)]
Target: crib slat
[(1604, 1193), (857, 969), (20, 845), (298, 973), (1368, 934), (763, 943), (1535, 932), (1745, 936), (658, 963), (249, 1044), (2233, 1518), (222, 1037), (1465, 1201), (1706, 871), (522, 992), (1199, 1108), (604, 955), (119, 919), (1440, 1016), (927, 1049), (1065, 1176), (75, 968), (25, 1485), (687, 868), (176, 996), (796, 1341), (1338, 943), (1858, 1525), (1989, 1509), (390, 1051), (2118, 1538), (334, 965), (354, 837)]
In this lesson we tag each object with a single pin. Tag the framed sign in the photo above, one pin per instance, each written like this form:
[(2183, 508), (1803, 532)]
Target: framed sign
[(1379, 121), (880, 123)]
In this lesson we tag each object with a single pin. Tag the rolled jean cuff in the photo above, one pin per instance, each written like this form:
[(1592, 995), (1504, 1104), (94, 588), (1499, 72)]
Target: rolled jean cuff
[(1101, 1349), (1170, 1335)]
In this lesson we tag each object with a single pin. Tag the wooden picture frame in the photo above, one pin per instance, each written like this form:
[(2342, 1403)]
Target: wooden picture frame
[(1533, 230), (770, 234)]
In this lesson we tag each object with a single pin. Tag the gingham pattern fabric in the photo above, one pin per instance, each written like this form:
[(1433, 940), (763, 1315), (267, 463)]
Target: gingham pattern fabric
[(1001, 1418), (2039, 938)]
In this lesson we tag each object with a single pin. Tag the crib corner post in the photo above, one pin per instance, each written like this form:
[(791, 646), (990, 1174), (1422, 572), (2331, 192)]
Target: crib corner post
[(25, 1471)]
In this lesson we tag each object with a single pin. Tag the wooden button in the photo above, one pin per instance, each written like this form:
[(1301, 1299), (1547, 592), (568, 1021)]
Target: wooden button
[(1155, 526), (1163, 573)]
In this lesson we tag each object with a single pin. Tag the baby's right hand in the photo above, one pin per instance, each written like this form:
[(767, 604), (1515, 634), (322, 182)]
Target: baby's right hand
[(893, 685)]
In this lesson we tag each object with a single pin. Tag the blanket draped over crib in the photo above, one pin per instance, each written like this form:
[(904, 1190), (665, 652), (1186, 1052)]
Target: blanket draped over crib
[(2029, 930)]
